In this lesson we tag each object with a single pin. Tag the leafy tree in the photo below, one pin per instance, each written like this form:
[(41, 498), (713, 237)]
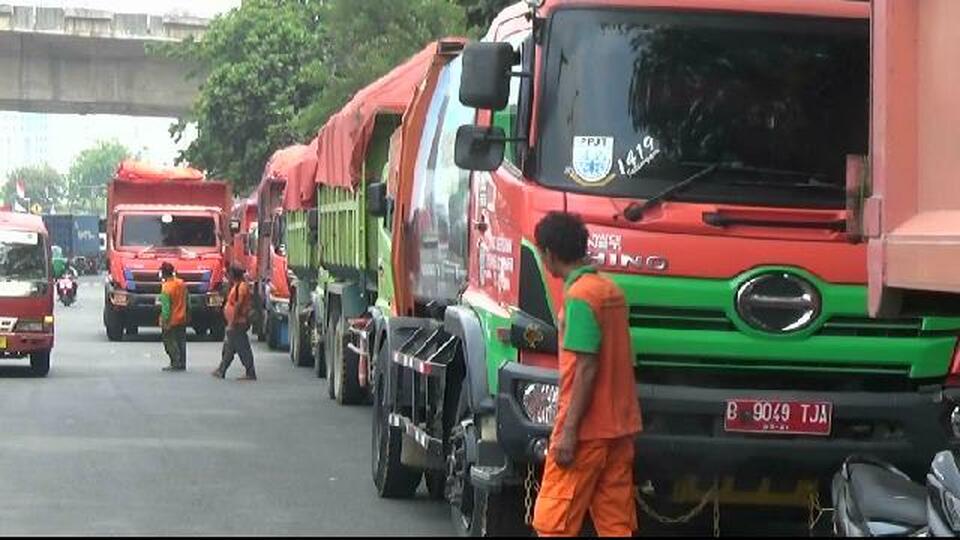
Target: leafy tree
[(42, 183), (274, 70), (364, 40), (256, 61), (89, 175), (480, 13)]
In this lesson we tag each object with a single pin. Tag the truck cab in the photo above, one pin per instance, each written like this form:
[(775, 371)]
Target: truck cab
[(715, 151), (26, 291), (156, 216)]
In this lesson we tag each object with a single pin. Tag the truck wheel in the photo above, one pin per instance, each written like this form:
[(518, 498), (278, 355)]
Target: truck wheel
[(218, 331), (40, 363), (331, 352), (113, 324), (347, 389), (476, 511), (258, 327), (304, 348), (299, 344), (318, 346), (273, 334), (392, 478), (294, 321)]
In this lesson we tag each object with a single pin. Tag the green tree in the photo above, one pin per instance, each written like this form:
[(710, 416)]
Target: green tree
[(89, 175), (274, 70), (364, 40), (480, 13), (42, 183), (255, 61)]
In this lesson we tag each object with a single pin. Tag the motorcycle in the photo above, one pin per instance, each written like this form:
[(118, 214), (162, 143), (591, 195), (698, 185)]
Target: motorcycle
[(873, 498), (67, 290)]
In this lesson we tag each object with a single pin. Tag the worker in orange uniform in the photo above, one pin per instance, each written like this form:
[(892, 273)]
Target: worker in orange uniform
[(173, 317), (237, 313), (589, 464)]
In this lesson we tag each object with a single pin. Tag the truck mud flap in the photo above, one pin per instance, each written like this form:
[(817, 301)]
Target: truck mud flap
[(419, 449)]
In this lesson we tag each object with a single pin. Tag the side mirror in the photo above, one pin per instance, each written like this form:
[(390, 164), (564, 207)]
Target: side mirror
[(479, 148), (377, 199), (485, 82), (234, 226)]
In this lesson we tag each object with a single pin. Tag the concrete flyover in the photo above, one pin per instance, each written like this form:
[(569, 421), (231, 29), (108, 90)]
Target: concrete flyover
[(83, 61)]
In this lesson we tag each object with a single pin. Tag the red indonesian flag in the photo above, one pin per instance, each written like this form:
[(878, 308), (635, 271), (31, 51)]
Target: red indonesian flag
[(21, 190)]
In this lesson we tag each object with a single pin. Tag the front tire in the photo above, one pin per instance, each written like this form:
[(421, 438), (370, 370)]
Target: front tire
[(475, 511), (114, 325), (218, 331), (273, 334), (318, 346), (331, 352), (300, 354), (393, 479), (40, 363)]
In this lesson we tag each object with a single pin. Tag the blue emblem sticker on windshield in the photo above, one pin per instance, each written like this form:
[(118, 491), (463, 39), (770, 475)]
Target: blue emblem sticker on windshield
[(592, 161)]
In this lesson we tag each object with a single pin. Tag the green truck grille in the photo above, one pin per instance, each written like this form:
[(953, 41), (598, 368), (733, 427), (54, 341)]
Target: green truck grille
[(706, 319), (692, 324)]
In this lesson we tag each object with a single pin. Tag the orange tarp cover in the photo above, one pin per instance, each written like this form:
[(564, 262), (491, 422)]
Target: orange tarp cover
[(139, 171), (294, 166), (344, 138)]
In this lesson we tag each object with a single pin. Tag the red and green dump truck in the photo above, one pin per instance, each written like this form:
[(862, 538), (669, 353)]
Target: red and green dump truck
[(717, 150), (271, 275)]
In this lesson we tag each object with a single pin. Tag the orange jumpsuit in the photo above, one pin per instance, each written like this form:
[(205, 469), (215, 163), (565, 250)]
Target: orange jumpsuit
[(600, 479)]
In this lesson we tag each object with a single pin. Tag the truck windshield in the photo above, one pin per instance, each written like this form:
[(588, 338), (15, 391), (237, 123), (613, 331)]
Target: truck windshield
[(636, 101), (168, 231), (22, 256)]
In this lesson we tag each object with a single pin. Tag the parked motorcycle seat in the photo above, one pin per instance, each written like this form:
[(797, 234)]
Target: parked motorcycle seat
[(884, 496)]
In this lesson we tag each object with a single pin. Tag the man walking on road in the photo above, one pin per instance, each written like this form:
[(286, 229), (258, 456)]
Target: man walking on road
[(589, 464), (173, 317), (237, 313)]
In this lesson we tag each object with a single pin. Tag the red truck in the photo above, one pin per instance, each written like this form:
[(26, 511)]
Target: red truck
[(157, 215), (272, 290), (243, 245), (26, 291)]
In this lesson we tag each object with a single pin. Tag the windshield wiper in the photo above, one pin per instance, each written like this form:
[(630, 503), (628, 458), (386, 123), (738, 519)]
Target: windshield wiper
[(635, 211), (144, 251)]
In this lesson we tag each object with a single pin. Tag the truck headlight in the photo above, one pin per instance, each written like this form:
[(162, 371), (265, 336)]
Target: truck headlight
[(118, 299), (30, 326), (539, 401), (214, 300)]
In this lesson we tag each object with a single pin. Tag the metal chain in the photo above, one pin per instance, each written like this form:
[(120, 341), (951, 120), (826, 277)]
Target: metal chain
[(716, 510), (531, 488), (816, 511), (712, 495)]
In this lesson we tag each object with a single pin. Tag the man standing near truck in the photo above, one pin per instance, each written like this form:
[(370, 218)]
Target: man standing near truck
[(589, 465), (237, 313), (173, 317)]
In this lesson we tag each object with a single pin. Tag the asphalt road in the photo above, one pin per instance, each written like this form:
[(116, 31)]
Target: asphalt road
[(107, 444)]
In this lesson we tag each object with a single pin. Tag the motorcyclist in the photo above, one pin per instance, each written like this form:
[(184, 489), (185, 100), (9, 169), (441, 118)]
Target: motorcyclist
[(63, 268)]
